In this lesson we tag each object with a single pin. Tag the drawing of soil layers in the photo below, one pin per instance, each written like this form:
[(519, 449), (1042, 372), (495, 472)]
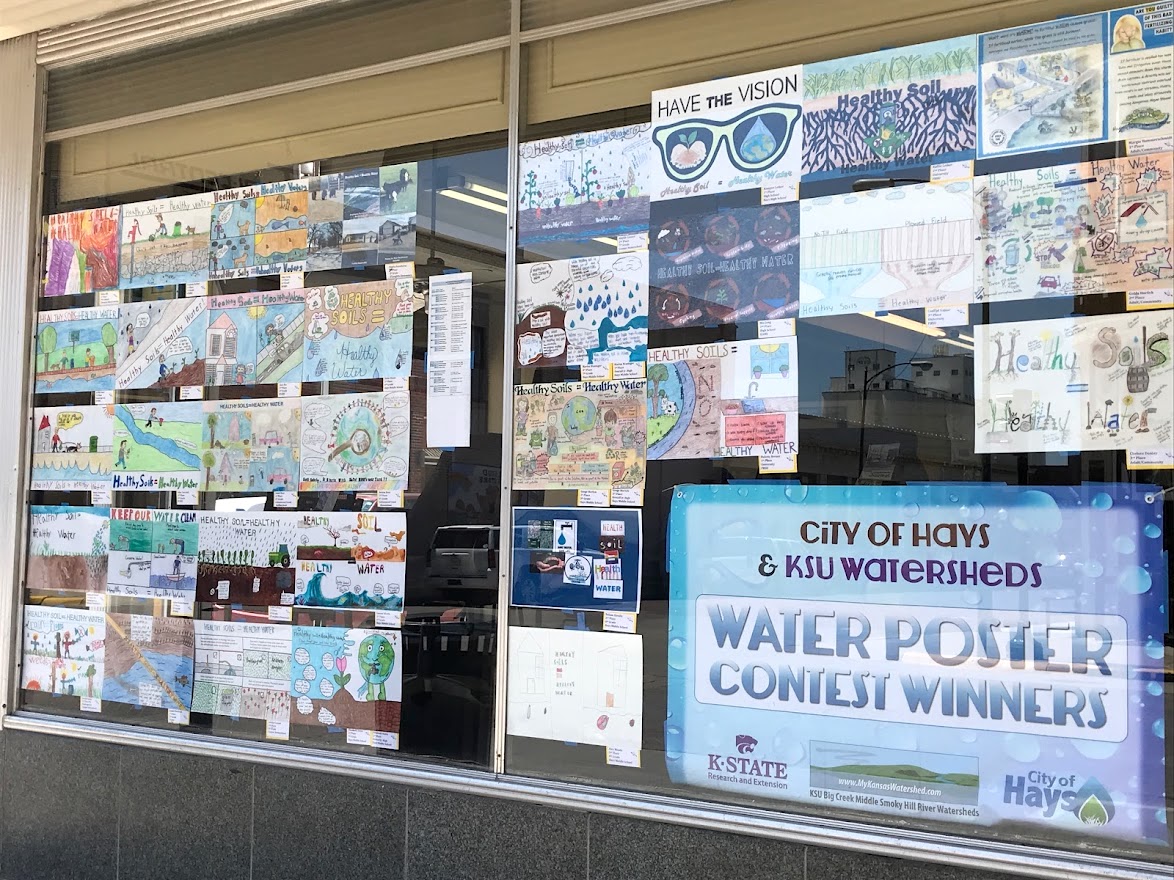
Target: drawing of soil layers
[(724, 398), (897, 108), (259, 230), (149, 661), (67, 548), (250, 445), (723, 259), (580, 186), (247, 558), (351, 560), (254, 338), (904, 247), (71, 447), (355, 441), (358, 331), (242, 670), (579, 435), (582, 311), (153, 553), (348, 679), (379, 215), (157, 446), (82, 252), (161, 343), (164, 242), (1092, 227), (75, 350), (64, 651)]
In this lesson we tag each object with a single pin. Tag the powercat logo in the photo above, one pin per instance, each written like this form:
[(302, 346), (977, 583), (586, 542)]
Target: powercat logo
[(1050, 793), (745, 769)]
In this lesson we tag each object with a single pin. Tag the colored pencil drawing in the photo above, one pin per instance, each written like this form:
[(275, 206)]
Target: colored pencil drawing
[(254, 338), (247, 558), (64, 651), (379, 215), (581, 311), (75, 350), (149, 661), (81, 252), (351, 560), (242, 670), (259, 230), (164, 242), (67, 548), (1141, 71), (72, 447), (898, 248), (325, 214), (896, 108), (161, 343), (358, 331), (357, 441), (580, 186), (153, 553), (250, 445), (157, 446)]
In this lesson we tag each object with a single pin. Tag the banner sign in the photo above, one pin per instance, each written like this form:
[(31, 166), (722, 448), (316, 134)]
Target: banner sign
[(970, 653)]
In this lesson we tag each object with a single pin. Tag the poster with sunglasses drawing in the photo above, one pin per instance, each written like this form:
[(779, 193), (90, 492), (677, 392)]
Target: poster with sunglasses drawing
[(584, 185), (740, 132), (887, 110)]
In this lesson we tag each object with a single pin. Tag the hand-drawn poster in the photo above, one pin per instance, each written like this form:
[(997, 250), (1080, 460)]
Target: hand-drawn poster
[(1043, 86), (67, 548), (351, 560), (81, 254), (161, 343), (723, 259), (149, 661), (379, 215), (355, 441), (724, 399), (580, 558), (358, 331), (1091, 227), (242, 670), (581, 186), (1073, 384), (153, 553), (904, 247), (75, 350), (739, 132), (1141, 71), (348, 680), (888, 110), (579, 435), (582, 311), (72, 448), (254, 338), (157, 445), (64, 650), (164, 242), (259, 230), (250, 445), (247, 558), (576, 686), (325, 215)]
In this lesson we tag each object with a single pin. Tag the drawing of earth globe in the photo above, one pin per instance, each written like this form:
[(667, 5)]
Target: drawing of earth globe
[(578, 416)]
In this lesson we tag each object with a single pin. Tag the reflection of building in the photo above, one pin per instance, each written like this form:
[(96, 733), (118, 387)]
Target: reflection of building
[(221, 350)]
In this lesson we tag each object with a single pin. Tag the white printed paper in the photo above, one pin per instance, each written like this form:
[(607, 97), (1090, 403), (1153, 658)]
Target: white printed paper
[(450, 320)]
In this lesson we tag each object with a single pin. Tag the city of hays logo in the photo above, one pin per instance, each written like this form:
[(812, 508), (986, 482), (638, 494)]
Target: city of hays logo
[(1091, 803), (744, 768)]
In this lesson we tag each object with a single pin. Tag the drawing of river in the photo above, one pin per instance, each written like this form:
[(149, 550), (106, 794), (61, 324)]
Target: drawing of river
[(164, 445), (175, 669)]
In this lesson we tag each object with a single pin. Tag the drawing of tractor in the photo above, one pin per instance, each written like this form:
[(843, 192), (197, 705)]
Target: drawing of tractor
[(280, 556)]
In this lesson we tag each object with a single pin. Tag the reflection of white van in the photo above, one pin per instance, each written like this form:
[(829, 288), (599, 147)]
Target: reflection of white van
[(464, 556)]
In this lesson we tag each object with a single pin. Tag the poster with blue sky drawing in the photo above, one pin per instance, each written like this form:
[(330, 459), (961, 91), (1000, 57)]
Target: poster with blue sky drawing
[(64, 651), (161, 343), (157, 446), (250, 445), (72, 447), (259, 230), (358, 331), (355, 441), (590, 310), (254, 338), (153, 553), (75, 350), (150, 661), (164, 241), (67, 548)]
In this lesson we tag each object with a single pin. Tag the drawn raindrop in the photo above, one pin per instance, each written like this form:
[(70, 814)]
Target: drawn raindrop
[(1102, 501), (758, 144), (1153, 649), (1155, 688), (1159, 728), (1135, 580), (1124, 545), (1152, 530), (1093, 804), (678, 654)]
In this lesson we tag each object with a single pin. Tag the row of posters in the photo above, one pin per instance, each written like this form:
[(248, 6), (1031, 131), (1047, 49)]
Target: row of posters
[(365, 217), (340, 680)]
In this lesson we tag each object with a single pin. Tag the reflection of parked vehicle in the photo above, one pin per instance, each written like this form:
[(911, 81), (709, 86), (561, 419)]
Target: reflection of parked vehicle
[(464, 557)]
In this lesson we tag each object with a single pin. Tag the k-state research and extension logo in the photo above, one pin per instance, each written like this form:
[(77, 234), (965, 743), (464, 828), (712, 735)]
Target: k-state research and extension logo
[(1049, 793), (745, 769), (745, 744)]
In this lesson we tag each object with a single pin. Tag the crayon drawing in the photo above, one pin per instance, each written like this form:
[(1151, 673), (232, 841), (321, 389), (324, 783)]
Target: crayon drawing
[(348, 680), (72, 447), (149, 661), (152, 553), (351, 560), (67, 548), (250, 445), (242, 670), (161, 343), (157, 445), (357, 441), (81, 253), (580, 186), (254, 338), (64, 650), (379, 215), (259, 230), (325, 213), (358, 331), (1141, 71), (75, 350), (164, 242), (897, 108), (247, 558), (582, 311)]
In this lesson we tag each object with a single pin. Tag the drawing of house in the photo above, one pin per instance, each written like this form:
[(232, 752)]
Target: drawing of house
[(612, 677), (44, 435), (1138, 211), (221, 351)]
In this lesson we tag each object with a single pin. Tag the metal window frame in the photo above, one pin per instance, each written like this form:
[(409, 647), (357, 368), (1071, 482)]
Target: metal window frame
[(20, 285)]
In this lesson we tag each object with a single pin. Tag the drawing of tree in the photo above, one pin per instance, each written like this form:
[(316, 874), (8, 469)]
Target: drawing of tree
[(209, 462), (213, 421), (657, 373), (109, 337), (530, 193), (48, 343), (334, 533), (589, 170)]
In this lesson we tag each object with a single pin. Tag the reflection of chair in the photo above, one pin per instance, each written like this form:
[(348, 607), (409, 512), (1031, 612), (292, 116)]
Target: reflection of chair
[(612, 678)]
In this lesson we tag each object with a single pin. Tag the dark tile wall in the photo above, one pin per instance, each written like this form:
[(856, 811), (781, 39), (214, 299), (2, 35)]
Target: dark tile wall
[(73, 808)]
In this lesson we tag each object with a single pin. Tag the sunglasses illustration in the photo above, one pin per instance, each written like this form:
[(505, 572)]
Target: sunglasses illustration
[(754, 141)]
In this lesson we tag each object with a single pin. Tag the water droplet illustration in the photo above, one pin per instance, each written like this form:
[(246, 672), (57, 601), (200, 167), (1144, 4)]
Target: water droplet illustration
[(1154, 688), (758, 144), (1153, 649), (1159, 728), (1098, 751), (1037, 512), (673, 742), (971, 597), (1135, 580), (1021, 747), (1101, 501), (911, 509), (796, 493), (678, 654), (1094, 569), (1124, 545), (1152, 530)]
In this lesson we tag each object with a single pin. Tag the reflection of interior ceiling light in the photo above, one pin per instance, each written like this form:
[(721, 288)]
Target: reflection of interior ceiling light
[(473, 200), (610, 242), (487, 191), (957, 343), (967, 338), (906, 323)]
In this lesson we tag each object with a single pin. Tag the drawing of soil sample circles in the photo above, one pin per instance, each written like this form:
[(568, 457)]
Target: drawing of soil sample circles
[(776, 295), (774, 228), (722, 234), (672, 237), (722, 296), (671, 304)]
